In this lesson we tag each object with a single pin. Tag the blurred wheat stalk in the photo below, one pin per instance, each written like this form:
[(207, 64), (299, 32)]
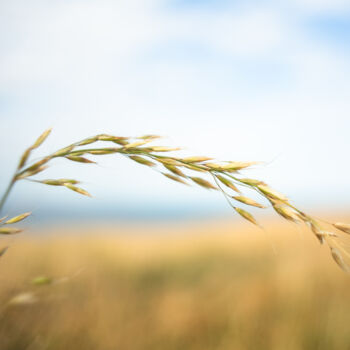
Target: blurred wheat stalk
[(225, 177)]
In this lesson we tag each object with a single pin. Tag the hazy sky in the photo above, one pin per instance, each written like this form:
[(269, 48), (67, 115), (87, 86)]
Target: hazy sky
[(242, 80)]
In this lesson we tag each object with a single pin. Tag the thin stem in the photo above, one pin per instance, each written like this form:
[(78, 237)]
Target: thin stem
[(7, 192)]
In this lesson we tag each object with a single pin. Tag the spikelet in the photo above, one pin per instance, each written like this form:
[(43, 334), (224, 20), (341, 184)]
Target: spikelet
[(269, 192), (142, 160), (342, 227), (175, 178), (246, 215), (41, 281), (9, 230), (3, 251), (286, 212), (136, 144), (175, 170), (41, 139), (227, 183), (77, 189), (251, 182), (195, 159), (64, 151), (248, 201), (59, 182), (17, 218), (104, 151), (338, 258), (87, 141), (163, 149), (79, 159), (31, 172), (204, 183), (234, 166)]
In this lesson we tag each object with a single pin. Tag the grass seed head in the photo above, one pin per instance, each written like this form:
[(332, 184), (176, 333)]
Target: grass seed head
[(142, 160), (338, 258), (41, 139), (248, 201), (251, 182), (175, 178), (342, 227), (269, 192), (246, 215), (195, 159), (80, 159), (17, 218), (203, 183), (3, 251), (77, 189), (228, 183), (9, 230), (175, 170)]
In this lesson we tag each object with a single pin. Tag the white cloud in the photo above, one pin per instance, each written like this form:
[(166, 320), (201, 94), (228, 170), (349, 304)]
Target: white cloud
[(82, 67)]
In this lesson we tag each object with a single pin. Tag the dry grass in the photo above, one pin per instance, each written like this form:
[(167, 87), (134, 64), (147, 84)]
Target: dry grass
[(208, 286), (226, 178)]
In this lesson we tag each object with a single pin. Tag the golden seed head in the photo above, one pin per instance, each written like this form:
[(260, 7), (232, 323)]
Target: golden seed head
[(41, 138), (272, 193), (342, 227), (204, 183), (227, 183), (195, 159), (17, 218), (142, 160), (248, 201), (246, 215)]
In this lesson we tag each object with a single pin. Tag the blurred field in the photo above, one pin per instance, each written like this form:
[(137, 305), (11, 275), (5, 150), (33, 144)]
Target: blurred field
[(214, 285)]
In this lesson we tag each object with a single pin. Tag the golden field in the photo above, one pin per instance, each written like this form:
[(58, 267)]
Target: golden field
[(198, 286)]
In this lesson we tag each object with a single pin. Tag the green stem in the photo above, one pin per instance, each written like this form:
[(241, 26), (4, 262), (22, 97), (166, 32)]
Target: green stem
[(6, 194)]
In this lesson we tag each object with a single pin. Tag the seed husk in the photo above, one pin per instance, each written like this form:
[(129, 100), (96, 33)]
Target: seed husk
[(251, 182), (31, 172), (79, 159), (338, 258), (9, 230), (136, 144), (24, 158), (41, 139), (42, 281), (77, 189), (88, 141), (286, 212), (234, 166), (195, 159), (175, 178), (227, 183), (175, 170), (272, 193), (17, 218), (248, 201), (64, 151), (3, 251), (104, 151), (163, 149), (204, 183), (342, 227), (59, 182), (246, 215), (142, 160)]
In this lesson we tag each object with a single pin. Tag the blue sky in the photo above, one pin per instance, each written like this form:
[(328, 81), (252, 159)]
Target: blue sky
[(244, 80)]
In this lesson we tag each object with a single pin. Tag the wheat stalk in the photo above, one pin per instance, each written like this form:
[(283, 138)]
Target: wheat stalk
[(226, 177)]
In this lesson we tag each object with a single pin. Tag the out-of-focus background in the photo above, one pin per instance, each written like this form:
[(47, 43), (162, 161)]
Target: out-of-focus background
[(148, 263)]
